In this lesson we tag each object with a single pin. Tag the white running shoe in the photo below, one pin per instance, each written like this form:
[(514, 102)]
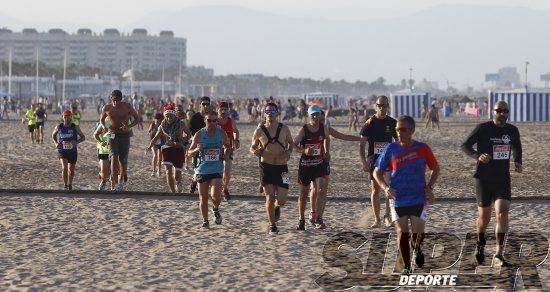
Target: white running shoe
[(153, 173), (102, 186)]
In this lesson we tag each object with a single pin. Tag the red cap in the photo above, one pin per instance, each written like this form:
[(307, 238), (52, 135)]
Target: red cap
[(169, 107), (67, 113)]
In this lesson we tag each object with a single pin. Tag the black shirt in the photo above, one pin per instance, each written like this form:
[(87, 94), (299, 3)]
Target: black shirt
[(196, 123), (379, 133), (40, 113), (498, 142)]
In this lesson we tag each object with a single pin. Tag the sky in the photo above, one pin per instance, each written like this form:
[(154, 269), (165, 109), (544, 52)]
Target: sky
[(122, 12)]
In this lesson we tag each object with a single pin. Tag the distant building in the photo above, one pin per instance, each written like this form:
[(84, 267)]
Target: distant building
[(506, 78), (110, 50)]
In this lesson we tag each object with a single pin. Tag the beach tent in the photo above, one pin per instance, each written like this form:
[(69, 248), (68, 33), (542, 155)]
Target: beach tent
[(409, 103), (525, 105)]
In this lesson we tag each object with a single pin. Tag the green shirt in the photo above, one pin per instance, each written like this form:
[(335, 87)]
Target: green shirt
[(29, 114)]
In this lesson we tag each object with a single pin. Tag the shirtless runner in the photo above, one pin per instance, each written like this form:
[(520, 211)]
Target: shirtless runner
[(119, 113), (272, 142)]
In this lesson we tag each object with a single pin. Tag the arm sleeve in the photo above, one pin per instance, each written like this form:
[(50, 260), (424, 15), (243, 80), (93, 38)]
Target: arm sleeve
[(467, 146), (516, 147)]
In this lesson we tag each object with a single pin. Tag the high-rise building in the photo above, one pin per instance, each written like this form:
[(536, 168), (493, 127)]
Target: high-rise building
[(109, 51)]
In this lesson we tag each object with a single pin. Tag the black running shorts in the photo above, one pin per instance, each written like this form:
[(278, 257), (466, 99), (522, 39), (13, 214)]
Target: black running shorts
[(487, 192), (276, 175)]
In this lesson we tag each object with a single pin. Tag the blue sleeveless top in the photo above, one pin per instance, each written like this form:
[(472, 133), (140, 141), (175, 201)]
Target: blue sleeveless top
[(66, 138), (210, 159)]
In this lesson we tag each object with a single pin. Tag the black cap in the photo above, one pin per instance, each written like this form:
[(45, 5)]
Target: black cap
[(205, 98), (116, 93)]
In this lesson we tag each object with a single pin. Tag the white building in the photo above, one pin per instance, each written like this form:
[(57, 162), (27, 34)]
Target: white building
[(110, 50)]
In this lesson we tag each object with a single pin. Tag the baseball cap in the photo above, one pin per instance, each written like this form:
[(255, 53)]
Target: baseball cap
[(313, 109), (67, 113)]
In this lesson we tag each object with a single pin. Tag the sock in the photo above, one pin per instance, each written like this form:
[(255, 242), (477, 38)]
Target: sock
[(481, 239)]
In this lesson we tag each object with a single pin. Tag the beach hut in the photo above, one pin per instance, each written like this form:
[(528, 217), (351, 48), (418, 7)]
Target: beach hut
[(409, 103), (525, 105)]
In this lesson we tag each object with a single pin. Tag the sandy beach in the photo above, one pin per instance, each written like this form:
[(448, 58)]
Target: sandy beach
[(61, 241)]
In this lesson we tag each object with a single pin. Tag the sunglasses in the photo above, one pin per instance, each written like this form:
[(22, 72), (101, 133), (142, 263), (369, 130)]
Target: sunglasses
[(205, 104), (211, 120), (271, 112), (501, 110), (382, 105), (315, 114), (404, 130)]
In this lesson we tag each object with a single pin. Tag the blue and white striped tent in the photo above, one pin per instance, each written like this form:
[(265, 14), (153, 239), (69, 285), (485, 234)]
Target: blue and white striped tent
[(409, 103), (525, 106)]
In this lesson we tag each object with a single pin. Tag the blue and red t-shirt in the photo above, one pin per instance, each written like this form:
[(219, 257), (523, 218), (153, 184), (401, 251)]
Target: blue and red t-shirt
[(408, 167)]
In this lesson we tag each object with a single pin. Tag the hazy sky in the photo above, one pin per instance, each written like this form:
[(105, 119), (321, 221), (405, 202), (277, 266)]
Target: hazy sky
[(121, 12)]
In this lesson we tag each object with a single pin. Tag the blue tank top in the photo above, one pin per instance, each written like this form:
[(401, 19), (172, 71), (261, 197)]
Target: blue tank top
[(211, 156), (66, 138)]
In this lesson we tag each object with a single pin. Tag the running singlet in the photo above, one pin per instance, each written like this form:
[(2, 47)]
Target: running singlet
[(66, 138), (76, 118), (29, 114), (228, 129), (211, 156), (499, 143), (103, 138), (408, 167), (379, 133), (317, 142), (40, 115)]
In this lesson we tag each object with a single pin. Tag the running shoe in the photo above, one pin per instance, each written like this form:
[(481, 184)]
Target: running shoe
[(153, 173), (193, 187), (206, 225), (119, 187), (499, 260), (102, 186), (376, 224), (312, 218), (218, 216), (158, 173), (277, 213), (69, 187), (41, 141), (321, 224), (387, 220), (273, 230), (406, 271), (301, 225), (418, 257), (226, 194), (479, 253)]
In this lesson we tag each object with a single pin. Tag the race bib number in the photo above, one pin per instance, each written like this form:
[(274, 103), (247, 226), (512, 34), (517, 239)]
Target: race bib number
[(501, 152), (67, 145), (315, 149), (212, 154), (111, 135), (285, 178), (379, 147)]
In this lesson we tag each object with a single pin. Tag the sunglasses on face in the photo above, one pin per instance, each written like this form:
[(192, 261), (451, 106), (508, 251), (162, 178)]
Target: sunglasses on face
[(382, 105), (271, 112), (402, 129), (501, 111), (313, 115), (211, 120), (205, 104)]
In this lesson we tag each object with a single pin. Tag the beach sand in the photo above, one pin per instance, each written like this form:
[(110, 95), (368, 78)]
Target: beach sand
[(62, 241)]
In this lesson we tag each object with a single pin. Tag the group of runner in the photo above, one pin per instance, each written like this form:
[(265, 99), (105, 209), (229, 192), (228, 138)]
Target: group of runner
[(396, 162)]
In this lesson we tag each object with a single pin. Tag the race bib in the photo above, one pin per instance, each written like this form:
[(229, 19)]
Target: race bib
[(316, 149), (379, 147), (67, 145), (501, 152), (285, 178), (212, 154), (111, 135)]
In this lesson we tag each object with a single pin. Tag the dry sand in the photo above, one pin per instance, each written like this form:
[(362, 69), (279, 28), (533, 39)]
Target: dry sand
[(60, 241)]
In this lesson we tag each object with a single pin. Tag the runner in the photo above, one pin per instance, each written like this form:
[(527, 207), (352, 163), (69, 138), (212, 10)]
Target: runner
[(313, 142), (353, 119), (229, 126), (119, 134), (41, 116), (157, 155), (101, 135), (208, 145), (408, 191), (173, 149), (31, 121), (494, 141), (433, 117), (274, 155), (378, 131), (197, 123), (66, 136), (76, 114)]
